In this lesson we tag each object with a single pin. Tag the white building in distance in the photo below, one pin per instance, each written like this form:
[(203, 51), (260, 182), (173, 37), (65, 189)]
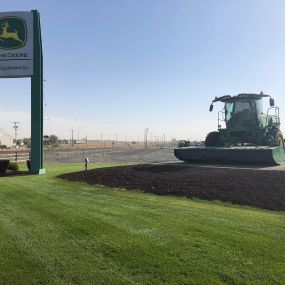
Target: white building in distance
[(5, 139)]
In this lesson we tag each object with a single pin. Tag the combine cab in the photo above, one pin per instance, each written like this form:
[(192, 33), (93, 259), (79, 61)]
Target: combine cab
[(249, 136)]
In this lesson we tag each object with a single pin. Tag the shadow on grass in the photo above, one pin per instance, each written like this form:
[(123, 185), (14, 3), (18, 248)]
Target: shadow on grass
[(10, 173)]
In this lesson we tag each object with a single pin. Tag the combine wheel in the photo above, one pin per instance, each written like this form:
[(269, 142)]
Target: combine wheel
[(279, 140), (212, 139)]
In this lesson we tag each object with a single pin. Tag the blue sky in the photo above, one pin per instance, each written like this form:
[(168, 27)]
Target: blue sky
[(122, 66)]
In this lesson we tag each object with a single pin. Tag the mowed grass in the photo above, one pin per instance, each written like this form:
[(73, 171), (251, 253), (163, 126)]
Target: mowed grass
[(58, 232)]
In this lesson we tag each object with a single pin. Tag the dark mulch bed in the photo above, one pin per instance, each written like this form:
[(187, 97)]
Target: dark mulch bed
[(258, 188)]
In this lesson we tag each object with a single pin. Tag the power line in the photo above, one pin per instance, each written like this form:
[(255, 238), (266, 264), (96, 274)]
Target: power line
[(45, 102)]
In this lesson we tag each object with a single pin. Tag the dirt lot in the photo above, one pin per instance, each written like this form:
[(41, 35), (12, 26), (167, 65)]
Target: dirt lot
[(257, 188), (125, 155)]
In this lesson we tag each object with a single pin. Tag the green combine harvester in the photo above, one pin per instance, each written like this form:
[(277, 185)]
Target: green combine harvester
[(250, 135)]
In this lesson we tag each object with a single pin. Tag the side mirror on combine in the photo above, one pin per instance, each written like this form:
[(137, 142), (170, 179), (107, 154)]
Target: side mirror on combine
[(271, 102), (211, 108)]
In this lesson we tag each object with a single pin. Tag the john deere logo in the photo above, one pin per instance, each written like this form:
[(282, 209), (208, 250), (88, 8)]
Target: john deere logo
[(13, 33)]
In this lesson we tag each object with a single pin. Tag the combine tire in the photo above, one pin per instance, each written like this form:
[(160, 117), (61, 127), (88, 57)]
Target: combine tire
[(212, 139), (279, 140)]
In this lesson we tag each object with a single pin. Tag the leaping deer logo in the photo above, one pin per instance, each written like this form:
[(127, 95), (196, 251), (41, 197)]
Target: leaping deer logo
[(9, 35)]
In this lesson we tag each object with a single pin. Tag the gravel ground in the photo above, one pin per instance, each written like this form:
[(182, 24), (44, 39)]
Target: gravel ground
[(153, 155)]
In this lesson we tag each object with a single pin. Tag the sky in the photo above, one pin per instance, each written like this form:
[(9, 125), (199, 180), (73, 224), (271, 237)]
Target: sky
[(121, 66)]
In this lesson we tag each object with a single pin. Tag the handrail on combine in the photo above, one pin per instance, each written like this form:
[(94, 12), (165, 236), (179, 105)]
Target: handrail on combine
[(221, 118), (272, 117)]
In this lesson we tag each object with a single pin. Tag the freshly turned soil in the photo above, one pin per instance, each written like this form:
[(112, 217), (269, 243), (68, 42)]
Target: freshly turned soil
[(257, 188)]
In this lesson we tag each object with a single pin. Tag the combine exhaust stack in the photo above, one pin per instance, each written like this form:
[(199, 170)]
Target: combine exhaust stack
[(250, 136), (236, 155)]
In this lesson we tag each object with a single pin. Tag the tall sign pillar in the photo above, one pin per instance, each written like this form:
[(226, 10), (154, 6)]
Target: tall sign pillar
[(21, 56), (37, 100)]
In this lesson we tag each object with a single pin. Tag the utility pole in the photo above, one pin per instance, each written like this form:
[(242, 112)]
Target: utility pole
[(16, 126), (72, 131), (156, 140), (78, 131), (145, 137), (116, 138), (101, 135)]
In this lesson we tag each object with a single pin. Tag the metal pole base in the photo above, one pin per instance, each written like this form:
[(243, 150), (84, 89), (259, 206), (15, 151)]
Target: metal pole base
[(38, 171)]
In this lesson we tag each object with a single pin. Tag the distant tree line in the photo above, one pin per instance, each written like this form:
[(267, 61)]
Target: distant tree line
[(47, 140)]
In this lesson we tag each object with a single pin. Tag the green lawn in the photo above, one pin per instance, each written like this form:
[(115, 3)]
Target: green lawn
[(57, 232)]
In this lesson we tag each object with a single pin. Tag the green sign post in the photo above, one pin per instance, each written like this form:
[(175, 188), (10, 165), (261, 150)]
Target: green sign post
[(21, 56), (37, 100)]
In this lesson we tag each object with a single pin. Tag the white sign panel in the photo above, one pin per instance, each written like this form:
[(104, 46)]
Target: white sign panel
[(16, 44)]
